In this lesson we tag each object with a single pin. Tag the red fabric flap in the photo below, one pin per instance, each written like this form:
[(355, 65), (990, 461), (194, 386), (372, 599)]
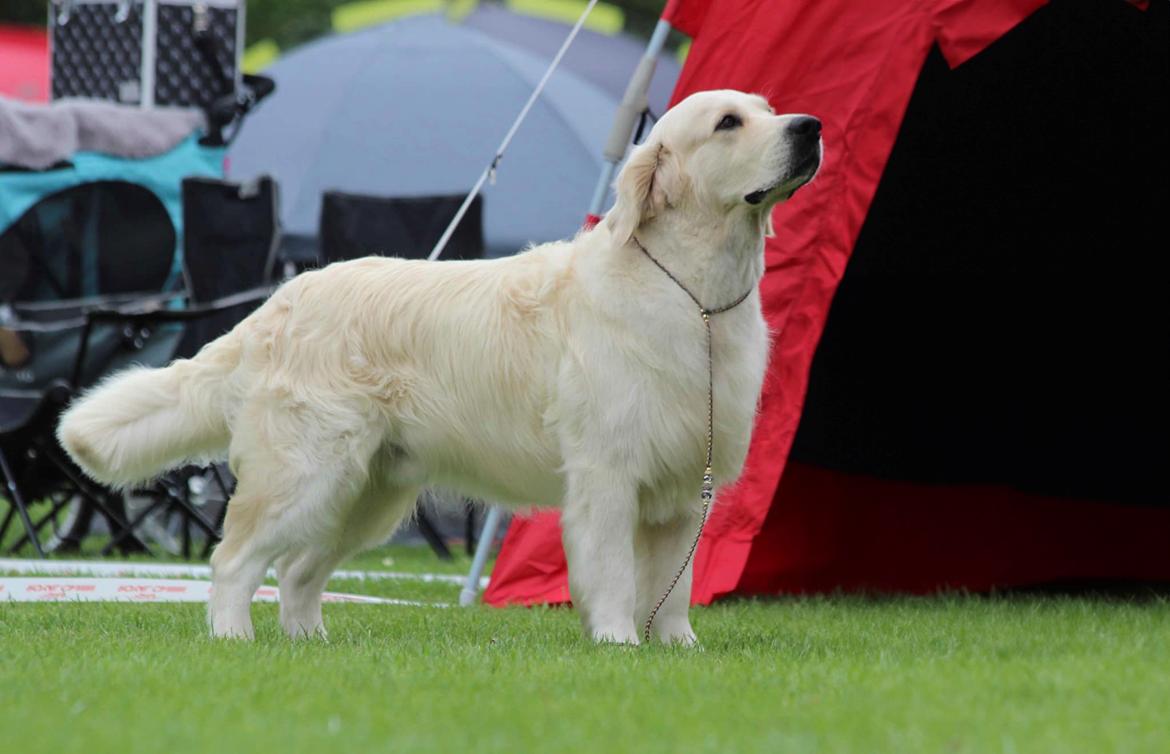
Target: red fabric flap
[(964, 27), (686, 15)]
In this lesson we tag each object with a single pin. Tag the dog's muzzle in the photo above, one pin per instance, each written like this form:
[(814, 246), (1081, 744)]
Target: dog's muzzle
[(805, 133)]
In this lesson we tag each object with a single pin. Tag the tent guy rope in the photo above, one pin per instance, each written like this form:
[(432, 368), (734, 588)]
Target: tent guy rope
[(490, 170)]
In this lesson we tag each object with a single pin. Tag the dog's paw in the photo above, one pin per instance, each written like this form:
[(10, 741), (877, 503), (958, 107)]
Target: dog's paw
[(616, 635), (676, 632), (222, 625), (232, 633), (302, 631)]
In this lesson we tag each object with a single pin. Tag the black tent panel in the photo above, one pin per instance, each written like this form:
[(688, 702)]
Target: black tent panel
[(1003, 318)]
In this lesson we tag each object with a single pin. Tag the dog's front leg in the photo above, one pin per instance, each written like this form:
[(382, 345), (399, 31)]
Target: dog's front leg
[(661, 551), (600, 513)]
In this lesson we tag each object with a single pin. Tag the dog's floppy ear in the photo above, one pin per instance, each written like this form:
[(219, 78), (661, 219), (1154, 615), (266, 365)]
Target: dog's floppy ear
[(650, 181)]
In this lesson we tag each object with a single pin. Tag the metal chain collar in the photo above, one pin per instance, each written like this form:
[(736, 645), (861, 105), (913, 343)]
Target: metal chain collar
[(707, 490)]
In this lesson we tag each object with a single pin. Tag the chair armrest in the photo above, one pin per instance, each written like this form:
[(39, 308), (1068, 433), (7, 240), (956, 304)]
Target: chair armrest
[(187, 314), (155, 316), (70, 314)]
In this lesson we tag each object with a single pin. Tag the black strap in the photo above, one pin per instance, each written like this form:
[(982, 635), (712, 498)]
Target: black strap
[(645, 118)]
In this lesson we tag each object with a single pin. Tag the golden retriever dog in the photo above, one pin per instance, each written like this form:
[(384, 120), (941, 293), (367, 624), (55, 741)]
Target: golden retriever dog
[(573, 374)]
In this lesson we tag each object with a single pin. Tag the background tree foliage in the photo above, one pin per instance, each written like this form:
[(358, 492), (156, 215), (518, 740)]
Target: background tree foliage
[(291, 22)]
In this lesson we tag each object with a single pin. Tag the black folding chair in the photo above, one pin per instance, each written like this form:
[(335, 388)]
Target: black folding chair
[(36, 471), (100, 245), (231, 234), (230, 239), (358, 225)]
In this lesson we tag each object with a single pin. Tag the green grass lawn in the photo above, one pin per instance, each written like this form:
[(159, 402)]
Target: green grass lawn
[(945, 674)]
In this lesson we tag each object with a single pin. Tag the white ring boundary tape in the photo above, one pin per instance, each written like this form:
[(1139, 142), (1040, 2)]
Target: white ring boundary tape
[(123, 568), (66, 589)]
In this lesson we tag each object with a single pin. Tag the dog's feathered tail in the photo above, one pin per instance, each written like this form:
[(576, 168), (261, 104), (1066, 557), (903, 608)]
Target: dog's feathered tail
[(141, 422)]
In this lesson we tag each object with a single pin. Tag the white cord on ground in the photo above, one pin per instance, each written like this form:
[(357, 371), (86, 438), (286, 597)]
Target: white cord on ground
[(491, 168)]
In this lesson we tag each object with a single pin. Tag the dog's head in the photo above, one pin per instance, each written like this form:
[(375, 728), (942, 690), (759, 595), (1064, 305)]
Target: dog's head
[(715, 152)]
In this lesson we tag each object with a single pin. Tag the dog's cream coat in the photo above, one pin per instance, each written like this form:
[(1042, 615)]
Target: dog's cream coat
[(573, 374)]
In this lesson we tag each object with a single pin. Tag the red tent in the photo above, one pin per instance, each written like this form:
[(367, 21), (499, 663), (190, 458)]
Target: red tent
[(24, 71), (874, 507)]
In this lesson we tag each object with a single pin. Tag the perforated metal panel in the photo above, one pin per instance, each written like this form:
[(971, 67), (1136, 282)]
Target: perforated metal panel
[(163, 53), (185, 74), (97, 51)]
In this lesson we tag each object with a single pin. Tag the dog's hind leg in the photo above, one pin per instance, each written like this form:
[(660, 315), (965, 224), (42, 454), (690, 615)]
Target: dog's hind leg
[(298, 478), (238, 565), (264, 520), (303, 574)]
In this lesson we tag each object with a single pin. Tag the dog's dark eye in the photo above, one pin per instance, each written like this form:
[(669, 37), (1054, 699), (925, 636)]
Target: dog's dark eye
[(729, 122)]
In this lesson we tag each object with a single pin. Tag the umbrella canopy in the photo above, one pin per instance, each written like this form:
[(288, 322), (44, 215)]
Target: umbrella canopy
[(24, 74), (606, 61), (418, 106)]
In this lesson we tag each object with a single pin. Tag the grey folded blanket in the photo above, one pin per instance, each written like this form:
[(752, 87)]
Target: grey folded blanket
[(38, 136)]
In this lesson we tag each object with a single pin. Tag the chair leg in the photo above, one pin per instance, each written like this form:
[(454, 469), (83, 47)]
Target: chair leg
[(68, 540), (176, 495), (17, 501), (223, 486), (192, 515), (95, 496), (469, 529), (128, 530), (11, 514), (186, 525), (218, 533), (431, 535), (50, 518), (169, 496)]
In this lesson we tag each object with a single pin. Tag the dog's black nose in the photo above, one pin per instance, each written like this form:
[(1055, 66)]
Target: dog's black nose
[(805, 125)]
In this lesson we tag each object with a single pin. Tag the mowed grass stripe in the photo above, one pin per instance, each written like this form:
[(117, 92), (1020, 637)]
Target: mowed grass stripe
[(941, 674)]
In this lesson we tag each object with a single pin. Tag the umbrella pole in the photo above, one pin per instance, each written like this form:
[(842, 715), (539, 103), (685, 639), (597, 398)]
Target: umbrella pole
[(633, 104)]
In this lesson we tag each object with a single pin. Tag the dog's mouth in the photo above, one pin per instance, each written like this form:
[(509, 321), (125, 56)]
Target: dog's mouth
[(786, 187)]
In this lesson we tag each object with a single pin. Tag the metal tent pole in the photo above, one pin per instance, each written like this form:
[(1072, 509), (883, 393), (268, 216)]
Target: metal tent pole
[(486, 536), (632, 106)]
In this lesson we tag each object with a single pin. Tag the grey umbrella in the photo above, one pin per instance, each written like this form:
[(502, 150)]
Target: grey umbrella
[(604, 60), (418, 106)]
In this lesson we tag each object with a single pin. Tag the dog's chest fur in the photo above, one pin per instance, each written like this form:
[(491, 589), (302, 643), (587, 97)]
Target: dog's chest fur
[(649, 396)]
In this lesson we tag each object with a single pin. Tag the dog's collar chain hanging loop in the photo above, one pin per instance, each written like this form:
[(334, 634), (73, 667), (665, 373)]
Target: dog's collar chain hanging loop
[(707, 490)]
